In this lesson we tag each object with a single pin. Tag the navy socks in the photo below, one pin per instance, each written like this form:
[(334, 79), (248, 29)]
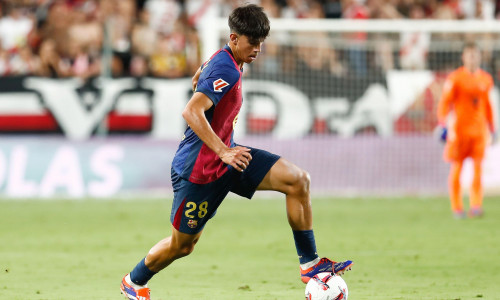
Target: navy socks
[(306, 245), (141, 274)]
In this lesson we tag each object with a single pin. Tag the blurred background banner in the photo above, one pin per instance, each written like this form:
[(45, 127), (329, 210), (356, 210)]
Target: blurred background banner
[(91, 91), (55, 167), (50, 167)]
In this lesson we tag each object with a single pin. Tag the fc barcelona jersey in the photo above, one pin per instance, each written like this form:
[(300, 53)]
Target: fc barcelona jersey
[(220, 80)]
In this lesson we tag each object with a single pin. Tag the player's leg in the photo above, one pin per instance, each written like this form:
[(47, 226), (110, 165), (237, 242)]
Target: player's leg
[(161, 255), (268, 171), (193, 205), (171, 248), (294, 182), (455, 189), (476, 193)]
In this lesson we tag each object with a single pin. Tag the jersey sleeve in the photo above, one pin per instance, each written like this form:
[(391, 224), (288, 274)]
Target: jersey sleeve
[(216, 81), (447, 98), (489, 108)]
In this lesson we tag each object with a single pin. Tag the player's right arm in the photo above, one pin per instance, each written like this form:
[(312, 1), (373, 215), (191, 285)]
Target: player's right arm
[(446, 101), (194, 114)]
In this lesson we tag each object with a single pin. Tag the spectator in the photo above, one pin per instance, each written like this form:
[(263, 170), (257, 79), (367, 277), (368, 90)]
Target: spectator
[(4, 62), (143, 36), (56, 27), (446, 12), (120, 24), (356, 41), (333, 9), (85, 28), (14, 29), (192, 50), (479, 9), (82, 64), (139, 30), (23, 62), (314, 10), (271, 8), (295, 9), (50, 62), (414, 46), (169, 59), (163, 14), (139, 66), (316, 62)]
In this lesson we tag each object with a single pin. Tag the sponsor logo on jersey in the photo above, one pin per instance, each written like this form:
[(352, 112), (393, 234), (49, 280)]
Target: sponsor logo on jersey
[(219, 84), (192, 223)]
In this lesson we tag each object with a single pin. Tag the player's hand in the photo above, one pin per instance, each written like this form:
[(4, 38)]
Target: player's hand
[(237, 157), (441, 133)]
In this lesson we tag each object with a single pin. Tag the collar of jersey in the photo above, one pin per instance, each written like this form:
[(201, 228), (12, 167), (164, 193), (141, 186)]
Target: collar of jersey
[(228, 50)]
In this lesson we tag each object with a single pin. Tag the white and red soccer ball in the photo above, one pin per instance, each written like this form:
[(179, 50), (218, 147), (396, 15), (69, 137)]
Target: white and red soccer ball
[(326, 286)]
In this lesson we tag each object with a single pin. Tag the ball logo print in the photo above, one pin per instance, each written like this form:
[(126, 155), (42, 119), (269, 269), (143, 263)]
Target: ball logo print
[(219, 84), (326, 286)]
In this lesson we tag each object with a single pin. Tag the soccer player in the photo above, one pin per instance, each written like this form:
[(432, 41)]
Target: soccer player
[(208, 164), (466, 101)]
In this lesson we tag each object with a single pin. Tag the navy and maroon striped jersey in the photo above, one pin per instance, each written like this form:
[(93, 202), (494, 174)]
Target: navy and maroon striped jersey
[(220, 80)]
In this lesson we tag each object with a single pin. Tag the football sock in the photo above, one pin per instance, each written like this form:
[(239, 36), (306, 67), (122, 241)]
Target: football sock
[(476, 193), (312, 263), (305, 245), (141, 274), (135, 286), (455, 188)]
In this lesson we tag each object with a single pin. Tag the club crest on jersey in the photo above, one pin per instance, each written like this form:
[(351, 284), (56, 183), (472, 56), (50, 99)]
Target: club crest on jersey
[(192, 223), (219, 84)]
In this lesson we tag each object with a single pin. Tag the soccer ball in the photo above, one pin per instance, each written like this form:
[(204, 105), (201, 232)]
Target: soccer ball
[(326, 286)]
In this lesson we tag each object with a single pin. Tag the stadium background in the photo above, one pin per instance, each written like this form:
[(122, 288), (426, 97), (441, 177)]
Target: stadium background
[(91, 91)]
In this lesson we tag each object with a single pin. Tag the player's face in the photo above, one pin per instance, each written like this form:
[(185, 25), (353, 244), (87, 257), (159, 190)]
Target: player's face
[(471, 58), (245, 50)]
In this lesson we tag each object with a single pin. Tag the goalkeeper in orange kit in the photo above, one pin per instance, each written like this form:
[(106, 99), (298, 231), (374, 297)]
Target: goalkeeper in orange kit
[(465, 104)]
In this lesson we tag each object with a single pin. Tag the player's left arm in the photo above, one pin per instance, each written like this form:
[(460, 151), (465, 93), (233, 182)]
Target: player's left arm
[(489, 110)]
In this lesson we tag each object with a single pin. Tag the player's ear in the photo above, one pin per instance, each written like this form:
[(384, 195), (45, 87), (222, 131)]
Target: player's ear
[(233, 37)]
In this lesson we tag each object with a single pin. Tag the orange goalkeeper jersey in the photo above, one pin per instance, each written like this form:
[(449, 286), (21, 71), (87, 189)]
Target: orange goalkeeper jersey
[(466, 96)]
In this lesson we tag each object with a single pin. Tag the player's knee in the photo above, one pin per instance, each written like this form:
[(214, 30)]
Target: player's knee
[(301, 183), (185, 249)]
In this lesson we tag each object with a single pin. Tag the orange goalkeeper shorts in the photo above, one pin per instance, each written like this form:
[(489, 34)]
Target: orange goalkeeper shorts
[(462, 147)]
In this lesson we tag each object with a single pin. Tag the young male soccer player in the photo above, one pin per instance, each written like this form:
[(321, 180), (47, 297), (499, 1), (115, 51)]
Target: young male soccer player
[(208, 164), (466, 96)]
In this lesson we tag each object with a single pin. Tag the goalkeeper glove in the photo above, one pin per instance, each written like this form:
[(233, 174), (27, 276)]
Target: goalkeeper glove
[(441, 132)]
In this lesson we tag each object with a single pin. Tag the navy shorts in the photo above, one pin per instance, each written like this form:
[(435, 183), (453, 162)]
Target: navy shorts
[(194, 204)]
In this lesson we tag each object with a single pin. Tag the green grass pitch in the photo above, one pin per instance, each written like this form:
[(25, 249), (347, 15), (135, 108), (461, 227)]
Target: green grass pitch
[(402, 249)]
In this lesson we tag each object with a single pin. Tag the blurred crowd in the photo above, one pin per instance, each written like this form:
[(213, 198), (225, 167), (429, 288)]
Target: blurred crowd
[(85, 38), (160, 38)]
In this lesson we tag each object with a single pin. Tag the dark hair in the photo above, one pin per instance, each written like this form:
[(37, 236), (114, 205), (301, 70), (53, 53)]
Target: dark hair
[(471, 45), (250, 21)]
